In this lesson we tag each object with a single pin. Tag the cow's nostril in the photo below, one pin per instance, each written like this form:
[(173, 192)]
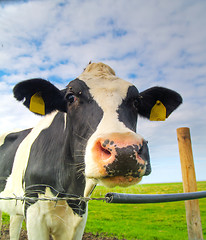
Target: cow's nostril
[(106, 151), (103, 151)]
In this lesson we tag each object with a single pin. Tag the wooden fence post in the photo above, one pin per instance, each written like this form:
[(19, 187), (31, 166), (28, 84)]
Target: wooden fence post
[(194, 226)]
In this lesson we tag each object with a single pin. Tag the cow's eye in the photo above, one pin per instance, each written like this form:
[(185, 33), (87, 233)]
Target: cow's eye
[(71, 98)]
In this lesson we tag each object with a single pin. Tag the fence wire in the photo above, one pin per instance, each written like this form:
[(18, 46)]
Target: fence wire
[(117, 198), (55, 199)]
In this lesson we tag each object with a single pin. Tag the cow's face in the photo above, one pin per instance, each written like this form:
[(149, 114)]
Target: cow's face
[(102, 112), (114, 154)]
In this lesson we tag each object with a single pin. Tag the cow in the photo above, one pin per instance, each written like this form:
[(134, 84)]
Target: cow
[(86, 137)]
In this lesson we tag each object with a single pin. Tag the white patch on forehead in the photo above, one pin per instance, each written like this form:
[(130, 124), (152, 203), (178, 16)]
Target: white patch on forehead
[(104, 85), (107, 90)]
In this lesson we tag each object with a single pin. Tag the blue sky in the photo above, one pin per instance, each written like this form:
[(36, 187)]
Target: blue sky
[(149, 43)]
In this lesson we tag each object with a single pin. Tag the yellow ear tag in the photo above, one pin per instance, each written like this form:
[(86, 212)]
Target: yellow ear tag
[(158, 112), (37, 104)]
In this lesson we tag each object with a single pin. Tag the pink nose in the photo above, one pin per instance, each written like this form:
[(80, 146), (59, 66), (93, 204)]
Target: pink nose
[(119, 154)]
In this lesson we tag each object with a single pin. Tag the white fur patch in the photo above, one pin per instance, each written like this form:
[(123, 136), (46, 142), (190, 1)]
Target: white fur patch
[(55, 218)]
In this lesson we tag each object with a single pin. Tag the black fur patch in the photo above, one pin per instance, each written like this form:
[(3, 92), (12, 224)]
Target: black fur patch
[(52, 96), (169, 98), (127, 111)]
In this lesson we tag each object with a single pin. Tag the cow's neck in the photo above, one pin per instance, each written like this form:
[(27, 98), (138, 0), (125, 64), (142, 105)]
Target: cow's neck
[(71, 166)]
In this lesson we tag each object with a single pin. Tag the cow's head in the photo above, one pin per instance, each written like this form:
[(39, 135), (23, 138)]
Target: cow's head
[(102, 112)]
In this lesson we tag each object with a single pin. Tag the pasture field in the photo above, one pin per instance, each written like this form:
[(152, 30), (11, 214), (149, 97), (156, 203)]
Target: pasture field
[(160, 221)]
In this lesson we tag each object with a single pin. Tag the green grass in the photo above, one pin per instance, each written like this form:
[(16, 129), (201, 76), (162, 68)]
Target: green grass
[(143, 221), (160, 221)]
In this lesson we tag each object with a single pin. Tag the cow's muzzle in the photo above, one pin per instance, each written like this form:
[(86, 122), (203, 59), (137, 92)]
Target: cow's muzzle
[(122, 159)]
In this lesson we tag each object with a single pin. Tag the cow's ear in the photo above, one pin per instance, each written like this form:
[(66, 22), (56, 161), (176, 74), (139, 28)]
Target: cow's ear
[(40, 96), (158, 103)]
